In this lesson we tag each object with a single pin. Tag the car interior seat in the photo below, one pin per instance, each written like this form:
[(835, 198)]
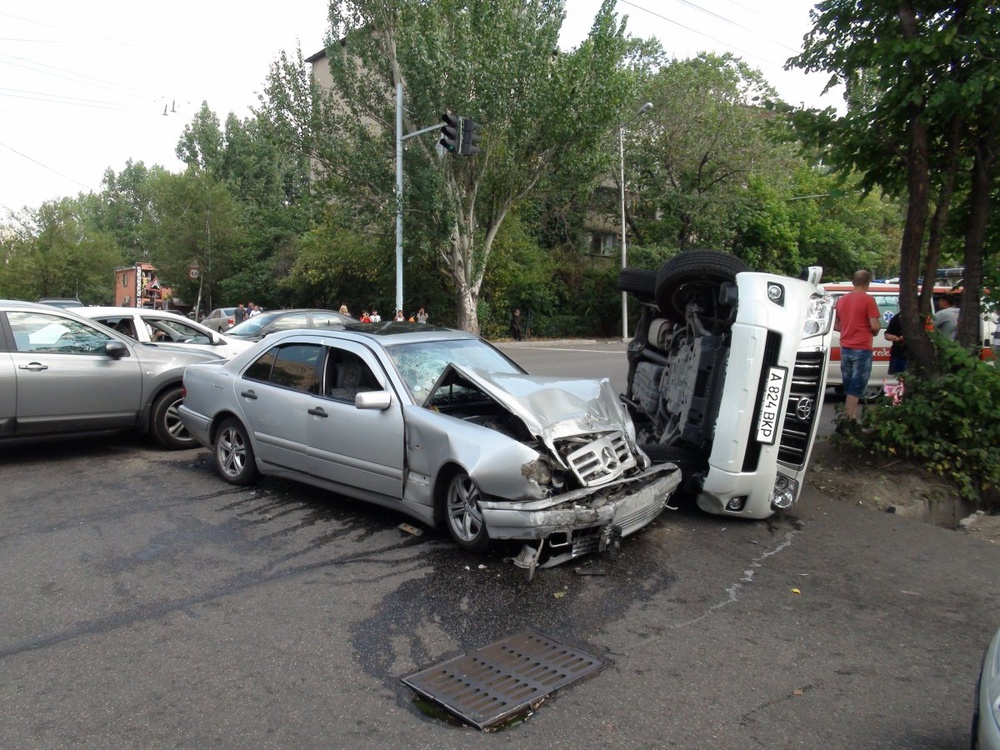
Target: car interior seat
[(350, 377)]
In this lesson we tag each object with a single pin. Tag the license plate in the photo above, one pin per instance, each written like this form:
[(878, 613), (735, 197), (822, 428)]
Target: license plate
[(770, 404)]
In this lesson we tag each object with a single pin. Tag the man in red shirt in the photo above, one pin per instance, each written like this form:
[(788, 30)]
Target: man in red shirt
[(858, 320)]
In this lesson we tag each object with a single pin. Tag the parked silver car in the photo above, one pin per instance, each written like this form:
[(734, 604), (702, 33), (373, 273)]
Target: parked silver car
[(62, 373), (163, 326), (437, 424), (264, 324), (220, 319)]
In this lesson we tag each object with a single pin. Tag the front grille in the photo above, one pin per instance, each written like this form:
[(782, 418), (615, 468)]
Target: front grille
[(802, 411), (601, 461)]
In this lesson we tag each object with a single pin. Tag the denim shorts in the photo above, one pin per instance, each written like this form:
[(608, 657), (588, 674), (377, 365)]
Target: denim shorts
[(855, 370)]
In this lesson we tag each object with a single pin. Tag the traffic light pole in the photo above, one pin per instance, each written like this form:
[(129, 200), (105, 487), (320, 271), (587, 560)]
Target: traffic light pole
[(399, 188)]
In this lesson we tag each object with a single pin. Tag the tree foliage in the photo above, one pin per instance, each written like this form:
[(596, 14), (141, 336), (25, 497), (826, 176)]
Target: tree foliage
[(496, 61), (921, 78), (698, 149), (196, 228), (57, 251)]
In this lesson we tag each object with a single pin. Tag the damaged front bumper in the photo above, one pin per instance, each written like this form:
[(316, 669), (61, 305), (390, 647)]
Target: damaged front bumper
[(586, 520)]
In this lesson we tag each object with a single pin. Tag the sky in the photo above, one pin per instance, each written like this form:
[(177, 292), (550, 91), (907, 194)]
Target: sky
[(86, 86)]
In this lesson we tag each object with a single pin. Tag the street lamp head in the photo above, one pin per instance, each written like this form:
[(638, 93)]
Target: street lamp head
[(645, 108)]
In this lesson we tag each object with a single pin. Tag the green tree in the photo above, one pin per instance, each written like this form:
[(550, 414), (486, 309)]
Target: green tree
[(124, 208), (53, 251), (495, 61), (921, 121), (695, 153), (271, 186), (196, 226)]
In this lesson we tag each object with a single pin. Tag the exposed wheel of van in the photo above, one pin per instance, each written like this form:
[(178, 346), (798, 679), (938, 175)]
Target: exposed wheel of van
[(233, 454), (166, 424), (694, 276), (692, 462), (685, 458), (637, 281)]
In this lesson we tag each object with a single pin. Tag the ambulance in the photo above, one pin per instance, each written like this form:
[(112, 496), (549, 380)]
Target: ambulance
[(887, 298)]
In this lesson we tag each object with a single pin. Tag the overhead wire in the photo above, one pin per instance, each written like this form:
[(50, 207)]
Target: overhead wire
[(723, 43)]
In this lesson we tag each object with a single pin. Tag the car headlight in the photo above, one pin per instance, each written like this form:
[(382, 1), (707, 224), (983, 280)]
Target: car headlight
[(819, 316), (785, 491)]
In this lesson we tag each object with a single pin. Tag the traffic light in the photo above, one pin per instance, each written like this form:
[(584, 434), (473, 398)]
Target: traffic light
[(470, 136), (451, 133)]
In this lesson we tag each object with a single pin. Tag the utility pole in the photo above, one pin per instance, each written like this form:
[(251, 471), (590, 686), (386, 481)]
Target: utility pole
[(621, 155), (399, 188)]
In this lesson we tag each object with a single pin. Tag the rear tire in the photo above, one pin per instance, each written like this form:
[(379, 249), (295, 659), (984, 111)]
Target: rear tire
[(166, 424), (233, 454), (694, 275), (638, 281)]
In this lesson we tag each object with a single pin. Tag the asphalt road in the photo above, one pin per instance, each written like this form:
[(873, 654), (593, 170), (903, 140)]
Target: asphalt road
[(146, 604)]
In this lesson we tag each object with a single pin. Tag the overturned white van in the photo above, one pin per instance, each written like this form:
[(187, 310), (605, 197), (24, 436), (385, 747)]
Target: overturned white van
[(727, 371)]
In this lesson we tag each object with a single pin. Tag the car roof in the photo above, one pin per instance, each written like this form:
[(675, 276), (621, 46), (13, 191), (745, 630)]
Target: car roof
[(384, 334), (33, 305), (110, 310)]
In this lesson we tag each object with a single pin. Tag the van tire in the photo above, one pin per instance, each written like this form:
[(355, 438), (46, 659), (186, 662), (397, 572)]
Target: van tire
[(638, 281), (694, 274)]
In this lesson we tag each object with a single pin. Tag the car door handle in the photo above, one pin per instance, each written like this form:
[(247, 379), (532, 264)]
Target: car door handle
[(249, 394), (34, 367), (318, 411)]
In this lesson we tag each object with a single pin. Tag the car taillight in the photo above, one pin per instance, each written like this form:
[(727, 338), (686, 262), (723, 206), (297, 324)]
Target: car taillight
[(230, 321)]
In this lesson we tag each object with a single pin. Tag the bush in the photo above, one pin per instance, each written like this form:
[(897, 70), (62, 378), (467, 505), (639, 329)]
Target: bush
[(947, 423)]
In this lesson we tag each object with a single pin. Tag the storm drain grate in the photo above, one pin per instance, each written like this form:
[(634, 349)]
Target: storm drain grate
[(486, 686)]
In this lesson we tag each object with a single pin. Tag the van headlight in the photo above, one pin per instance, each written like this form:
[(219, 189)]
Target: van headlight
[(785, 491), (819, 316)]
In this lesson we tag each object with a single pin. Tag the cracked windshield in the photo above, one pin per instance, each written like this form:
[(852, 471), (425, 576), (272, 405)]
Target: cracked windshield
[(421, 364)]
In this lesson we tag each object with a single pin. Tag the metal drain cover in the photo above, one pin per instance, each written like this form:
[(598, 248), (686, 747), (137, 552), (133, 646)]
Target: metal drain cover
[(486, 686)]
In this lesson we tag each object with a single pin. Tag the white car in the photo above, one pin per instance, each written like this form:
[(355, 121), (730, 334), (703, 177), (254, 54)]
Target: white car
[(163, 326)]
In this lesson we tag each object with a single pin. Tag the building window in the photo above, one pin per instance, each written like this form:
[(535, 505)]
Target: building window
[(603, 243)]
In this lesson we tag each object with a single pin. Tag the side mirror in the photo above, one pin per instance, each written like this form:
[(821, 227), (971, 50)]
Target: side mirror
[(378, 400), (115, 349)]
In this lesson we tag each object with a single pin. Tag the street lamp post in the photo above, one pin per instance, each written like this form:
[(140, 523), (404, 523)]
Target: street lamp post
[(621, 154)]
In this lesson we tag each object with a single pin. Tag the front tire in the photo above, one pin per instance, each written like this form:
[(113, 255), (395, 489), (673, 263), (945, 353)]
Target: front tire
[(166, 423), (463, 514), (233, 454)]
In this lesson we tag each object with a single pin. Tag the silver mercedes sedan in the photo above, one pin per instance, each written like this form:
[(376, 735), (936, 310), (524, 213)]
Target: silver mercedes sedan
[(437, 424)]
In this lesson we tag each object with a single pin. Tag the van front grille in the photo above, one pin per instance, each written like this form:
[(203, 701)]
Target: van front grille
[(802, 411)]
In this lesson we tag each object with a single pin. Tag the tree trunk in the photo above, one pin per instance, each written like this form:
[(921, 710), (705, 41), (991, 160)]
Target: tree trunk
[(466, 308), (975, 236), (919, 348), (920, 351), (939, 221)]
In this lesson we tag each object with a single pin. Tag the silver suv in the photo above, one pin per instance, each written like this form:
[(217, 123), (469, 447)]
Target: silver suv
[(62, 373)]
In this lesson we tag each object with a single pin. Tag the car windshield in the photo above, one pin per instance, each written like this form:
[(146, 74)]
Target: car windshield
[(420, 364), (253, 325)]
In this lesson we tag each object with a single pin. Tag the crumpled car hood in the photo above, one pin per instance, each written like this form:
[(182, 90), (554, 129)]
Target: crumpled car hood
[(552, 407)]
